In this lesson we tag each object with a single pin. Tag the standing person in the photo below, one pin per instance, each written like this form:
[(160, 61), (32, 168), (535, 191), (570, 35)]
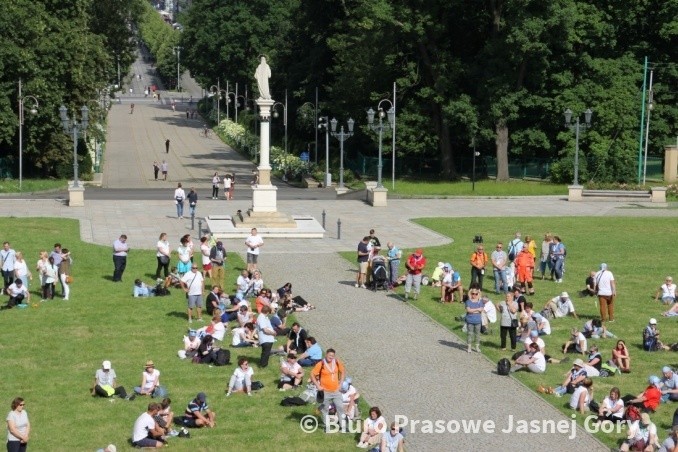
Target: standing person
[(266, 335), (65, 272), (525, 268), (228, 182), (479, 260), (156, 169), (606, 289), (474, 310), (215, 185), (515, 246), (120, 250), (163, 169), (558, 258), (21, 270), (232, 189), (105, 384), (363, 258), (146, 430), (131, 107), (7, 260), (415, 265), (253, 242), (167, 146), (218, 260), (499, 261), (205, 257), (192, 201), (179, 197), (50, 275), (328, 376), (18, 427), (193, 284), (41, 267), (509, 319), (184, 253), (162, 255), (394, 255), (545, 256)]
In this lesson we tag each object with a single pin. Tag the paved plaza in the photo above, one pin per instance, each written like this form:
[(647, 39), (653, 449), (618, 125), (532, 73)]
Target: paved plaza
[(400, 359)]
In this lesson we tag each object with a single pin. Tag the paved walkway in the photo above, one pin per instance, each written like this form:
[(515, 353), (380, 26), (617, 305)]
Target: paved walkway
[(400, 359)]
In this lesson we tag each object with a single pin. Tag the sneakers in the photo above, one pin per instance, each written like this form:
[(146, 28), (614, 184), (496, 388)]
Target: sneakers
[(357, 285), (468, 350), (228, 394), (362, 286), (200, 319), (190, 320), (131, 397), (477, 348), (249, 394), (173, 433)]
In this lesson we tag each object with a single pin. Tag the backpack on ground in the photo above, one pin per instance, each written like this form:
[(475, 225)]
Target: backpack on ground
[(632, 413), (504, 366), (292, 401), (223, 357)]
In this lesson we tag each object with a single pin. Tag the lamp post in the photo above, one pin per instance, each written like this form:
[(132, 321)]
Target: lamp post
[(117, 56), (576, 127), (315, 121), (650, 106), (276, 115), (216, 90), (380, 128), (475, 154), (341, 136), (73, 127), (177, 51), (323, 124), (33, 111)]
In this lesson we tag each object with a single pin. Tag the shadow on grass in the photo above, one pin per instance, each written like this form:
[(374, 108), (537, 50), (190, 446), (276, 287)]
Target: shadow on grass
[(177, 314)]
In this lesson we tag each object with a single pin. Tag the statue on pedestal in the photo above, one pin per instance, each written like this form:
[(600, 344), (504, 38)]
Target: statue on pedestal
[(262, 74)]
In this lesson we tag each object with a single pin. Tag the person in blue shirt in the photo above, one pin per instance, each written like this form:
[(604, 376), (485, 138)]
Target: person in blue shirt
[(474, 309), (142, 289), (312, 355)]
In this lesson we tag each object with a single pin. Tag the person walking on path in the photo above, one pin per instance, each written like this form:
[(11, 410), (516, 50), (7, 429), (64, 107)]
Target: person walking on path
[(120, 250), (192, 201), (232, 188), (215, 186), (606, 289), (415, 265), (228, 182), (253, 242), (167, 146), (156, 169), (179, 197), (131, 107), (163, 168)]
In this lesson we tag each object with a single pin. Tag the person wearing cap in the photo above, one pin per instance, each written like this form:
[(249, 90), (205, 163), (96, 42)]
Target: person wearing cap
[(105, 384), (450, 284), (667, 291), (606, 289), (577, 342), (642, 435), (561, 306), (415, 265), (649, 399), (651, 342), (478, 260), (18, 294), (437, 275), (198, 413), (150, 379), (669, 385), (349, 397), (575, 377), (146, 433), (218, 261), (191, 344)]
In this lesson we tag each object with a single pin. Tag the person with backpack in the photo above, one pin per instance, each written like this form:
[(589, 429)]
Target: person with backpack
[(328, 376), (515, 246)]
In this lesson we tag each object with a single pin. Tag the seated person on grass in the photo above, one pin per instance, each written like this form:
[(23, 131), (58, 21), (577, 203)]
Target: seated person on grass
[(672, 311), (349, 398), (519, 296), (285, 292), (437, 275), (291, 373), (216, 328), (667, 291), (146, 433), (150, 379), (577, 342), (256, 283), (590, 286), (243, 336), (575, 377), (105, 384), (206, 352), (649, 399), (642, 435), (165, 417), (242, 283), (651, 342), (213, 300), (312, 355), (594, 363), (198, 414), (278, 325), (451, 285), (241, 380), (543, 324), (669, 385), (18, 294), (582, 396), (263, 299), (296, 339), (561, 306), (595, 329), (141, 289), (191, 344), (245, 316), (232, 307), (620, 357), (612, 408), (533, 360)]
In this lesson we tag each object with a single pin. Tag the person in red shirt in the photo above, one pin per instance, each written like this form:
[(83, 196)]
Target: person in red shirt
[(415, 265), (525, 269), (648, 400)]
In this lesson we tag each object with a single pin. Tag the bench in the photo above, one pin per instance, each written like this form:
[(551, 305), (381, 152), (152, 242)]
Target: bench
[(654, 195), (635, 194)]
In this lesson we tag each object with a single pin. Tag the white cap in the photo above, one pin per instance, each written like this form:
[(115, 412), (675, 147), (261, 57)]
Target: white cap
[(111, 448), (564, 295), (106, 365), (653, 321)]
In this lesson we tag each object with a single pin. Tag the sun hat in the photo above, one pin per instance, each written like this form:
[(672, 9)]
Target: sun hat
[(653, 321), (106, 365), (149, 363), (578, 362), (666, 369), (654, 380), (564, 295)]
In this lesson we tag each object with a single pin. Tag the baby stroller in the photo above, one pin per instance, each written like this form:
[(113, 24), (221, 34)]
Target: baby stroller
[(379, 275)]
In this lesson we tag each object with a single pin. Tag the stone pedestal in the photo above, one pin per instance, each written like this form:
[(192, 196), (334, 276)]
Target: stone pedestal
[(671, 164), (377, 197), (76, 195), (574, 192), (341, 190), (264, 198), (659, 195)]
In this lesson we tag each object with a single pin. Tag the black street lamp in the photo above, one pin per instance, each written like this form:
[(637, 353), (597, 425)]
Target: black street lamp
[(73, 127), (33, 111), (341, 136), (576, 126), (380, 128)]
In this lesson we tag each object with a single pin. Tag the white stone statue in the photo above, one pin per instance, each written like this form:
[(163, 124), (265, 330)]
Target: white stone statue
[(262, 75)]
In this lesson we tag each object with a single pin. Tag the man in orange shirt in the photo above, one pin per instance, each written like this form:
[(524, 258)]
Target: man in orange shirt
[(525, 269), (328, 376), (478, 261)]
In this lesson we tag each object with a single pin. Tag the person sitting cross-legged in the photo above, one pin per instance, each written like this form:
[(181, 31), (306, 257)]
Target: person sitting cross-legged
[(146, 433), (667, 291), (241, 380), (312, 355), (105, 384), (198, 413), (534, 360), (291, 373)]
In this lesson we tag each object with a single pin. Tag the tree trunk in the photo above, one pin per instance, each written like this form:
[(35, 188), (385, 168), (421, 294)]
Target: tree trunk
[(501, 140), (447, 169)]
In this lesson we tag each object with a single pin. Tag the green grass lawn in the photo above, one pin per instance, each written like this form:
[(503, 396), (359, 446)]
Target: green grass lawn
[(50, 352), (31, 185), (410, 188), (635, 250)]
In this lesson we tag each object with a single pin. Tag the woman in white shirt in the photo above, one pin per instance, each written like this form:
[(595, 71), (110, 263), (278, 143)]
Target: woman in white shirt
[(21, 269), (179, 198), (215, 186), (582, 396), (666, 290), (612, 408), (163, 255), (150, 379), (241, 380), (373, 428)]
